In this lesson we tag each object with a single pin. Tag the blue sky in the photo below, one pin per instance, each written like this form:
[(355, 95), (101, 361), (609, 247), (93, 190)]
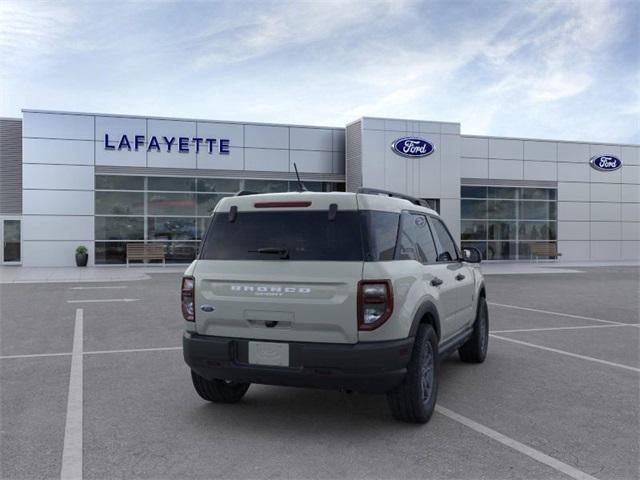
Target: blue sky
[(547, 69)]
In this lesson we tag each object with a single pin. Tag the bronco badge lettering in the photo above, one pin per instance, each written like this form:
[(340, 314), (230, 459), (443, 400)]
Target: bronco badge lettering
[(270, 290)]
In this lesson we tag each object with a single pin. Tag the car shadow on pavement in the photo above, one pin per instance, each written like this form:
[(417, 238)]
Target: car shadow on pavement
[(297, 410)]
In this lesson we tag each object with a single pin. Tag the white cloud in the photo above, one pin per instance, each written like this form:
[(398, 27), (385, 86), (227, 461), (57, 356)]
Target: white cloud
[(500, 68), (28, 28), (289, 24)]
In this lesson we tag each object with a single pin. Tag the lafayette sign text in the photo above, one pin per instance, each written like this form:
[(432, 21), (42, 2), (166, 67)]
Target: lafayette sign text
[(158, 144)]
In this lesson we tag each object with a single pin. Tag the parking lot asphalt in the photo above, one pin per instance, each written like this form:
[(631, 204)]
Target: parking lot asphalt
[(556, 398)]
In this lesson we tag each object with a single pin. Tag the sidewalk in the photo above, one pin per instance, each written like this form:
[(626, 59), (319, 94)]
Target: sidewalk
[(528, 268), (11, 274)]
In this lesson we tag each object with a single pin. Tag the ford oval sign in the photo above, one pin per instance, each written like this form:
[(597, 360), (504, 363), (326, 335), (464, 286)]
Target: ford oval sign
[(605, 163), (412, 147)]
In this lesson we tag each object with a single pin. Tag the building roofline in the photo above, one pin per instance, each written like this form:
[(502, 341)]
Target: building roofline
[(178, 119), (553, 140), (399, 120)]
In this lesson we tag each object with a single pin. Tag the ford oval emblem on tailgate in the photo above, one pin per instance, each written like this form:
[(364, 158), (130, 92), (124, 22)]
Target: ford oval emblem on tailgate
[(207, 308)]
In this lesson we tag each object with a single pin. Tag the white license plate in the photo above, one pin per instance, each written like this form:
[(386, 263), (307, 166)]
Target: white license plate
[(269, 353)]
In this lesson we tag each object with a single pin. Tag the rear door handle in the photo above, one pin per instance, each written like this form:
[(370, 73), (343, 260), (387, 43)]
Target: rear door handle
[(436, 282), (460, 277)]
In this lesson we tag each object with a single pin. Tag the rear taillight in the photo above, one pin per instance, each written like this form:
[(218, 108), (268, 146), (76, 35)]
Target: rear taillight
[(187, 298), (375, 303)]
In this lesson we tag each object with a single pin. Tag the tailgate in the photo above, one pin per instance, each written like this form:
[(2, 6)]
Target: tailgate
[(311, 301)]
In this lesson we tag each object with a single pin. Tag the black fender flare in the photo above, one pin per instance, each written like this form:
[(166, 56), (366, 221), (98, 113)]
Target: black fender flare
[(426, 308), (482, 290)]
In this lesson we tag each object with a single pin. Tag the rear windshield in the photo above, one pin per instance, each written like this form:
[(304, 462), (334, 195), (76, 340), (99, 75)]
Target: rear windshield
[(278, 235), (352, 236)]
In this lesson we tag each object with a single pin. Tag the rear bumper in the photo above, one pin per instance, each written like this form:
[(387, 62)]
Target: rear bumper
[(374, 367)]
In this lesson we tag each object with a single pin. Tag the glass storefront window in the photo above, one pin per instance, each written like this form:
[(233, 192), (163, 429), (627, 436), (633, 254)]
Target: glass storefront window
[(311, 186), (180, 252), (473, 192), (538, 194), (501, 209), (537, 210), (266, 186), (501, 250), (516, 217), (502, 230), (537, 231), (119, 228), (168, 228), (125, 205), (473, 230), (108, 253), (119, 182), (175, 184), (475, 209), (226, 185), (119, 203), (161, 203), (501, 192)]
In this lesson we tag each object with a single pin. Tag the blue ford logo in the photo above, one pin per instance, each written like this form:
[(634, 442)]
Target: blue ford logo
[(605, 163), (412, 147)]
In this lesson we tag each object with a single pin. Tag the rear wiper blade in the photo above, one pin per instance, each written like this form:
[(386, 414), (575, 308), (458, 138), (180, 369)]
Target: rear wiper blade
[(283, 252)]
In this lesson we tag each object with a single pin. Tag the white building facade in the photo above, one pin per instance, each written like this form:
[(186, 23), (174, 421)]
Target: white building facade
[(105, 181)]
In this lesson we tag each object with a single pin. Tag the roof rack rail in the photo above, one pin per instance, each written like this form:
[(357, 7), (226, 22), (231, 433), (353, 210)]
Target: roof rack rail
[(242, 193), (387, 193)]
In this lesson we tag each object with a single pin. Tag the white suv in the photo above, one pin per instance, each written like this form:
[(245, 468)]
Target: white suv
[(352, 291)]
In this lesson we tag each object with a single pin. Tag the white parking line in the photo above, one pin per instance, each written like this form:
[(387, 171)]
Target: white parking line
[(91, 352), (133, 350), (560, 314), (100, 300), (35, 355), (515, 445), (569, 354), (563, 328), (72, 446), (96, 288)]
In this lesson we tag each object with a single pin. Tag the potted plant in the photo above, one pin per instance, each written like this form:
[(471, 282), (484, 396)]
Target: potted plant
[(82, 256)]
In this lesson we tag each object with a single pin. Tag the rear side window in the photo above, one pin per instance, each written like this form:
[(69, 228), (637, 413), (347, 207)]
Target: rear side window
[(448, 246), (415, 241), (380, 231), (305, 235)]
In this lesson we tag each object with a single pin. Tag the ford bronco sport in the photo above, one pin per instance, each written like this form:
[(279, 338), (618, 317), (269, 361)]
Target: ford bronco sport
[(358, 291)]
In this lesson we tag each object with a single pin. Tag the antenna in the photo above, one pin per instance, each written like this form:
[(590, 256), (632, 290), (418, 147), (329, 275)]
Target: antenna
[(301, 187)]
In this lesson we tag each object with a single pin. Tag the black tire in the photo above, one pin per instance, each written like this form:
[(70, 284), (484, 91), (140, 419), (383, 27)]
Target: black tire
[(475, 349), (219, 391), (415, 398)]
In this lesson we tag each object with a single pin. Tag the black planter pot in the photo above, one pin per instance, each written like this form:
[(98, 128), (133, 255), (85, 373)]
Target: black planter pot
[(82, 259)]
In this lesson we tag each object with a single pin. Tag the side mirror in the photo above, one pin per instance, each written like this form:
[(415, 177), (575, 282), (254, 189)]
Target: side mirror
[(471, 255)]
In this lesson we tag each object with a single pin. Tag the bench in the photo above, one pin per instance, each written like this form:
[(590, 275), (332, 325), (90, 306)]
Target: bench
[(144, 252), (546, 250)]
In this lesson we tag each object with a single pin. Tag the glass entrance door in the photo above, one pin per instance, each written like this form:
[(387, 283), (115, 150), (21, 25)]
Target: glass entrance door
[(11, 241)]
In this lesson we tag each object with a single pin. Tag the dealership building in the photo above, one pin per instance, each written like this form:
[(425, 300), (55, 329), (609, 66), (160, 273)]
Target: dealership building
[(109, 181)]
